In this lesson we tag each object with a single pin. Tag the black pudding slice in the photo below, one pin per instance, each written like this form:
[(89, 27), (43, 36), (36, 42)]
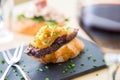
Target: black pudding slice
[(60, 41)]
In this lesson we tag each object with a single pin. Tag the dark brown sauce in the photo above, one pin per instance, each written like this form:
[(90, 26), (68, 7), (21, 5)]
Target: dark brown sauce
[(105, 33)]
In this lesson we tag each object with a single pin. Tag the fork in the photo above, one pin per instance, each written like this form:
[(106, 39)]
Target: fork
[(12, 60)]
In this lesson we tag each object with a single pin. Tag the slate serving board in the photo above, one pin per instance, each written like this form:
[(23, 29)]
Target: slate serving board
[(90, 59)]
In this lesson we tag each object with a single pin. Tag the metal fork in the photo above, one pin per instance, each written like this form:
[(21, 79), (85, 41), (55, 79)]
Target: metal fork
[(12, 60)]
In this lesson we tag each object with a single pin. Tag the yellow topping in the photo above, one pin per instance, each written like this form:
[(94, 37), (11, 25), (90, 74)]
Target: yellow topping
[(47, 35)]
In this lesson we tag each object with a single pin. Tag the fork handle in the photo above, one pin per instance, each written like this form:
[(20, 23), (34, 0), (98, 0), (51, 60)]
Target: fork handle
[(5, 73), (26, 77)]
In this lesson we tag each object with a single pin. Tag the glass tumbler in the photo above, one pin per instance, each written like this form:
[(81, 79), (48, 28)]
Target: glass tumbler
[(100, 19), (6, 7)]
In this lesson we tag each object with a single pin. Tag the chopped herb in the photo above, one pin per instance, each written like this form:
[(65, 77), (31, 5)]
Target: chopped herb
[(16, 74), (37, 47), (24, 65), (1, 71), (82, 64), (22, 78), (55, 34), (47, 26), (34, 40), (67, 19), (51, 22), (6, 79), (27, 71), (69, 66), (47, 78), (45, 33), (2, 61), (96, 74), (63, 72), (73, 65), (21, 16), (94, 60), (22, 69), (41, 70), (30, 44), (46, 67), (71, 61), (66, 70), (14, 71), (72, 71), (67, 28), (94, 66), (59, 64), (89, 57), (38, 19), (103, 60)]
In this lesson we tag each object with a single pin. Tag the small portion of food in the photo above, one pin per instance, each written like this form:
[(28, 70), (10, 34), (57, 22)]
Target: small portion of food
[(53, 44), (30, 21)]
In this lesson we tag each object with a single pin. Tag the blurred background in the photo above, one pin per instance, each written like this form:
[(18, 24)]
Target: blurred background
[(19, 18), (98, 21)]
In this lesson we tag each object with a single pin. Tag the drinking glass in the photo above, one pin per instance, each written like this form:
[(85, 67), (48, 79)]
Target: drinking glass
[(6, 7), (100, 19)]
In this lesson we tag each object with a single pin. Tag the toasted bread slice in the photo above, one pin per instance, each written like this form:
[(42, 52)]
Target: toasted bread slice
[(68, 51)]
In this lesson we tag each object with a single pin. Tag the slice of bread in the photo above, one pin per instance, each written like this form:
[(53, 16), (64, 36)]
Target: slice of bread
[(66, 52)]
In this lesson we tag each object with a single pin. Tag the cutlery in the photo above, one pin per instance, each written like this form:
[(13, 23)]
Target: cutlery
[(12, 60)]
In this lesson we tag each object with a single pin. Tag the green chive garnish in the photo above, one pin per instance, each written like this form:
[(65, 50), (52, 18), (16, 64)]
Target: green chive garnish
[(24, 65), (2, 61), (66, 70), (82, 64), (55, 34), (63, 72), (28, 72), (94, 60), (22, 69), (6, 79), (30, 44), (103, 60), (46, 67), (16, 74), (1, 71), (59, 64), (94, 66), (37, 47), (67, 28), (67, 19), (69, 66), (47, 78), (22, 78), (89, 57), (41, 70), (73, 65), (96, 74), (14, 71), (74, 70)]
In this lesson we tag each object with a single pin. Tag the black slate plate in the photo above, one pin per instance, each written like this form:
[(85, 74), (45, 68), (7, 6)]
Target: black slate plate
[(56, 71)]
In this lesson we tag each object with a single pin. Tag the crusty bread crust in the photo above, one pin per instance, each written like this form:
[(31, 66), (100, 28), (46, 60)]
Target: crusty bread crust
[(66, 52)]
